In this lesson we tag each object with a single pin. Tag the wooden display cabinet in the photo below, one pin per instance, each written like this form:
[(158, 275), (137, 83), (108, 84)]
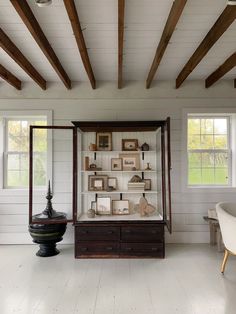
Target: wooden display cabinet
[(123, 235)]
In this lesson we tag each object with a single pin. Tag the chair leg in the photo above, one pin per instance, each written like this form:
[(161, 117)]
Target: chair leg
[(224, 261)]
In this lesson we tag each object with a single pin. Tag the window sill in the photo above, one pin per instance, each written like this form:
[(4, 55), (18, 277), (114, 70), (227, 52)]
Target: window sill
[(209, 189)]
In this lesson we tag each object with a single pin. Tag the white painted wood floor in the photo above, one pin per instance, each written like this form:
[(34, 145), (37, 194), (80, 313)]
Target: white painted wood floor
[(187, 281)]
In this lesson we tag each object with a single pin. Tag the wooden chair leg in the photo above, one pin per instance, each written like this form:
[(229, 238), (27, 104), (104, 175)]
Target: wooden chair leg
[(224, 261)]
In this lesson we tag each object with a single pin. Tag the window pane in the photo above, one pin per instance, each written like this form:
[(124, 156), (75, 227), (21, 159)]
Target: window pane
[(14, 143), (194, 160), (14, 128), (207, 160), (207, 141), (193, 126), (13, 162), (194, 176), (220, 126), (13, 178), (206, 126), (24, 178), (220, 141), (39, 178), (40, 140), (194, 142), (221, 176), (24, 162), (221, 160), (208, 176)]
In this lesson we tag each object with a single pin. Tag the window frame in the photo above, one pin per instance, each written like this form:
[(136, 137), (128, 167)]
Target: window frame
[(20, 115), (227, 150), (208, 112)]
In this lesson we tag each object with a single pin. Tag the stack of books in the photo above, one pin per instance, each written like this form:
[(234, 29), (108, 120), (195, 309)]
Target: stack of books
[(136, 186)]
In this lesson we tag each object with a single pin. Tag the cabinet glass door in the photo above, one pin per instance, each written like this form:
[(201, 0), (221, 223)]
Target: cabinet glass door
[(167, 168)]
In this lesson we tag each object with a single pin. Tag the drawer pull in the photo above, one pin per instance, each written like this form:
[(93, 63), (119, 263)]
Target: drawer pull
[(154, 248), (128, 248), (109, 232), (109, 248), (127, 231), (154, 231), (84, 232)]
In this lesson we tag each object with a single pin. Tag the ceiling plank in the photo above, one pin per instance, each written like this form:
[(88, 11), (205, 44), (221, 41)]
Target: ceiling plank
[(27, 16), (121, 19), (226, 18), (228, 65), (75, 24), (11, 49), (9, 77), (173, 18)]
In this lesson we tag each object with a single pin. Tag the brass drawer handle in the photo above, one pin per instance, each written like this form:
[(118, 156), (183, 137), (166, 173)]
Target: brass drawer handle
[(154, 248), (128, 248), (109, 248), (84, 231), (84, 249)]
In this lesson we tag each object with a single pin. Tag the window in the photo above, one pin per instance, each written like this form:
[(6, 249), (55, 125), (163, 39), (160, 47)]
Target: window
[(209, 151), (14, 149)]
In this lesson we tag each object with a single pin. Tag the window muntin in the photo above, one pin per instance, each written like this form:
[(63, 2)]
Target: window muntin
[(16, 153), (209, 154)]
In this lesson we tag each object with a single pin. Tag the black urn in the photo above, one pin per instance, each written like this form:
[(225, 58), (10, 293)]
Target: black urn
[(48, 234)]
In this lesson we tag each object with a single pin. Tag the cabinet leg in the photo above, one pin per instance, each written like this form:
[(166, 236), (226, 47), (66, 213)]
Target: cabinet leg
[(224, 261)]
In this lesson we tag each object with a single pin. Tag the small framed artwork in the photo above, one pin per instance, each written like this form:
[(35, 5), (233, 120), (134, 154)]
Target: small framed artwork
[(148, 184), (112, 183), (120, 207), (129, 145), (104, 141), (130, 161), (103, 206), (97, 183), (116, 164)]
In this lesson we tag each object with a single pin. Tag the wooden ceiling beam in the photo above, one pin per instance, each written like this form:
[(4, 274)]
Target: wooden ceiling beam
[(9, 77), (234, 83), (11, 49), (27, 16), (226, 18), (75, 24), (121, 19), (228, 65), (173, 18)]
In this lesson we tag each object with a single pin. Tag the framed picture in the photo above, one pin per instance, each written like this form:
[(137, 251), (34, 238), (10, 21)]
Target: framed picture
[(120, 207), (104, 141), (148, 184), (130, 161), (112, 183), (116, 164), (103, 206), (97, 183), (129, 145)]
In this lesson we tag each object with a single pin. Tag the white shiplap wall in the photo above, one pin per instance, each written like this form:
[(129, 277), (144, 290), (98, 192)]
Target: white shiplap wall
[(133, 102)]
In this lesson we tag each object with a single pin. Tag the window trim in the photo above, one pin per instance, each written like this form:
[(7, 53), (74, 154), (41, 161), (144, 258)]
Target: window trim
[(207, 112), (16, 114)]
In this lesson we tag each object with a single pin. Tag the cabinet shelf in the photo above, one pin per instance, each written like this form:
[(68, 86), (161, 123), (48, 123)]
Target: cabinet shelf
[(136, 216), (118, 151), (121, 171), (121, 192)]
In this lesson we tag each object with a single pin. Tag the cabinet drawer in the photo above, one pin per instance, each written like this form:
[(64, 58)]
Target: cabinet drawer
[(143, 233), (83, 249), (142, 249), (97, 233)]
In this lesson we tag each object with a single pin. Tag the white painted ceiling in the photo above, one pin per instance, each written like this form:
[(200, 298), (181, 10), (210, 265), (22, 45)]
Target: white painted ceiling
[(144, 23)]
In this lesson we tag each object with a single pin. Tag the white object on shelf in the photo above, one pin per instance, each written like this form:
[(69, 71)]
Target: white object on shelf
[(136, 216)]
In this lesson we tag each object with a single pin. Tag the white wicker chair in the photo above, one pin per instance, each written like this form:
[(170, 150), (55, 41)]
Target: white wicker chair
[(226, 213)]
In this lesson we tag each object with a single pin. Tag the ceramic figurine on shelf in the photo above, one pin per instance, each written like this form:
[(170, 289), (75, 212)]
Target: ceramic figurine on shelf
[(145, 147), (148, 167), (144, 208)]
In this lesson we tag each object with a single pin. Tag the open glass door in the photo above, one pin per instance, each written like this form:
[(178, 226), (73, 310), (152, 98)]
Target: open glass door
[(167, 168)]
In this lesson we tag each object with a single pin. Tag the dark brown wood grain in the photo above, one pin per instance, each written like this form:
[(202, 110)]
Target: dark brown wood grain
[(27, 16), (173, 18), (121, 18), (10, 48), (226, 18), (234, 83), (79, 37), (228, 65), (9, 77)]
